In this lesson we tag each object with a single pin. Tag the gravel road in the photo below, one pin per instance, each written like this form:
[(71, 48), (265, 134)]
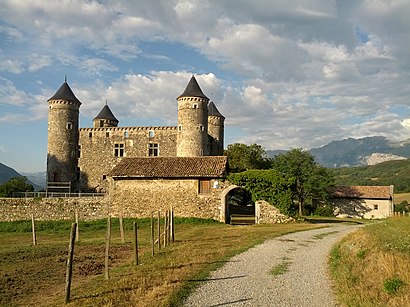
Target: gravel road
[(247, 279)]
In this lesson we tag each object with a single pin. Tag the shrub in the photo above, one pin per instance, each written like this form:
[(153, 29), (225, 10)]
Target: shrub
[(324, 211), (392, 285)]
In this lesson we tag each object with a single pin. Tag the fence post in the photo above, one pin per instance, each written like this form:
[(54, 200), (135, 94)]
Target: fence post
[(152, 234), (77, 234), (122, 230), (107, 248), (165, 228), (172, 225), (135, 243), (69, 270), (159, 230), (33, 229)]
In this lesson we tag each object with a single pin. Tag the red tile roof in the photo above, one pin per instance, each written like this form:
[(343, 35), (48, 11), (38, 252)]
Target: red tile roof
[(171, 167), (369, 192)]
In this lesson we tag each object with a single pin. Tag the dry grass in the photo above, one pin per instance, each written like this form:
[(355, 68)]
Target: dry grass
[(398, 198), (371, 267), (36, 274)]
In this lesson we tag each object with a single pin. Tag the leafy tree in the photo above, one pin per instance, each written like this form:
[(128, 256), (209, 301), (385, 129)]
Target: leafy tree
[(15, 184), (309, 179), (267, 185), (243, 157)]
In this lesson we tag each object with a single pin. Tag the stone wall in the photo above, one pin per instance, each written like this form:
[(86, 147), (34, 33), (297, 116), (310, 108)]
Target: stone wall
[(138, 198), (97, 149), (89, 208), (269, 214)]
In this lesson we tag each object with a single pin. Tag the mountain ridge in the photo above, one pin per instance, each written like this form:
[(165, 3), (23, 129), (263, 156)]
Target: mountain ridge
[(351, 152)]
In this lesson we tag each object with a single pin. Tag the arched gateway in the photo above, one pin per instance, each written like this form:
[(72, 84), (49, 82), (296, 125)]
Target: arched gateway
[(237, 202)]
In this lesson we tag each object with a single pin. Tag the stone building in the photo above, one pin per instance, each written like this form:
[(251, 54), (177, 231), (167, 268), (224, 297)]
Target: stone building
[(83, 157)]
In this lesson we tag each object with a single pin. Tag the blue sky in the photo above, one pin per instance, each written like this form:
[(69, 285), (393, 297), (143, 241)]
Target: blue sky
[(285, 73)]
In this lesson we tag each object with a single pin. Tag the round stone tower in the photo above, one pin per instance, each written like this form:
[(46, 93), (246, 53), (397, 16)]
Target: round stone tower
[(63, 114), (192, 137), (215, 130), (105, 118)]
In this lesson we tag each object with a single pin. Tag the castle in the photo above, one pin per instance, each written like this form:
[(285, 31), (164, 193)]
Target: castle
[(84, 157)]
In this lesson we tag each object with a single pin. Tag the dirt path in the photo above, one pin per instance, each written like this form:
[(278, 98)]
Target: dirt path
[(290, 270)]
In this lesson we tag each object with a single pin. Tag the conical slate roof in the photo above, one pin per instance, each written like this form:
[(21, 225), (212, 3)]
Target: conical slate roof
[(193, 90), (65, 93), (106, 113), (213, 111)]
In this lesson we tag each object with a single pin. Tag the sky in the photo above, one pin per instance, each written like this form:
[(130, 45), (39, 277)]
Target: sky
[(285, 73)]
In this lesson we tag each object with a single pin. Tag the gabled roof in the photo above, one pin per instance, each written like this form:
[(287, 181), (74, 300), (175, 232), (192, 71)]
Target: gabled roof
[(106, 113), (193, 90), (171, 167), (65, 93), (361, 192), (213, 111)]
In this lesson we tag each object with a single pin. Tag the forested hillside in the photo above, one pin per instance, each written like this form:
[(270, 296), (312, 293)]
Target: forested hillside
[(386, 173)]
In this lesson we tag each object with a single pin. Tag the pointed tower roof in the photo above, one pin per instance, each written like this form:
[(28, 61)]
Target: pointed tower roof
[(213, 111), (65, 93), (106, 113), (193, 90)]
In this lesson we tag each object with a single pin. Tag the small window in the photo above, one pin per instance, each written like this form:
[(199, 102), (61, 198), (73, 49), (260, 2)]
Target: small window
[(201, 128), (376, 207), (104, 177), (151, 134), (204, 186), (90, 135), (119, 150), (126, 134), (153, 150), (180, 128), (101, 123), (79, 151), (107, 134), (69, 125), (195, 106)]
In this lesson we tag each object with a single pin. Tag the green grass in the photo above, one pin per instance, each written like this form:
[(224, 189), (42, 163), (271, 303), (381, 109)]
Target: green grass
[(282, 267), (371, 267), (324, 234), (35, 274)]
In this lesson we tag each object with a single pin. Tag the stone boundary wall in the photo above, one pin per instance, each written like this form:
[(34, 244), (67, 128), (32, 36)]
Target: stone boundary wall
[(89, 208)]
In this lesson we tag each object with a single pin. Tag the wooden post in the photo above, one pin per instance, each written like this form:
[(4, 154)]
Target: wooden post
[(107, 248), (135, 243), (69, 270), (77, 234), (152, 234), (169, 227), (122, 230), (33, 229), (172, 225), (165, 228), (159, 230)]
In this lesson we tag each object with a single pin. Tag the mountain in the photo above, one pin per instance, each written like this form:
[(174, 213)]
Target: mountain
[(357, 152), (7, 173), (38, 179)]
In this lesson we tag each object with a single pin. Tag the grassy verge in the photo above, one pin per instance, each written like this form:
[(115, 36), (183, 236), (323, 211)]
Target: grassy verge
[(36, 274), (371, 267)]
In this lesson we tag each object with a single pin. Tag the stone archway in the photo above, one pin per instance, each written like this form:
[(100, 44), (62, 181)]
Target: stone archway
[(235, 200)]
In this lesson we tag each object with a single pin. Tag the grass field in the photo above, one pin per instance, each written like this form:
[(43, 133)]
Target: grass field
[(371, 267), (35, 275), (398, 198)]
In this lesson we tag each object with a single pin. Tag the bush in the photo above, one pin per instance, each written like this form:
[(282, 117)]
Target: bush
[(324, 211), (392, 285)]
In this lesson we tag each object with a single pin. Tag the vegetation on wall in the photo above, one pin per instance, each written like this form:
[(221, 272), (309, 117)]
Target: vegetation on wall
[(243, 157)]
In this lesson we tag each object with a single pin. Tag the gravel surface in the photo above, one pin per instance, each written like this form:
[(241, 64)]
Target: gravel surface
[(248, 279)]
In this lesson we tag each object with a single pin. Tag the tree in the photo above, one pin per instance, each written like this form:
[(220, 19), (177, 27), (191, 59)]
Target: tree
[(243, 157), (15, 184), (267, 185), (309, 179)]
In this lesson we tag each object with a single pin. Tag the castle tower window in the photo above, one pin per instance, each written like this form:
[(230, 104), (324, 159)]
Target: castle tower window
[(126, 134), (151, 134), (153, 149), (195, 106), (69, 125), (90, 135), (101, 123), (119, 150), (180, 128), (79, 151), (201, 128), (107, 134)]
